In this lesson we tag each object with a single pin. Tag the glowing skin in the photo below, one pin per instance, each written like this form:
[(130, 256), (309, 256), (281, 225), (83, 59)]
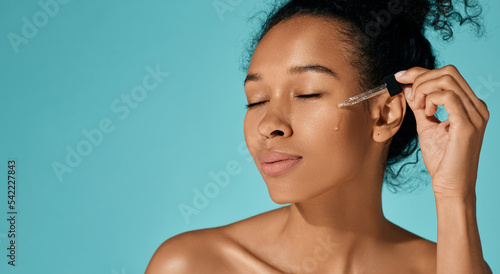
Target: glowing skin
[(307, 125), (335, 222)]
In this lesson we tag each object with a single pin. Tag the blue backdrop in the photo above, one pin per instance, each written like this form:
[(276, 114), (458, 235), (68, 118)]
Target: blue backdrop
[(117, 113)]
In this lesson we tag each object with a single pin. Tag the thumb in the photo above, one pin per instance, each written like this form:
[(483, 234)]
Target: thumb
[(423, 121)]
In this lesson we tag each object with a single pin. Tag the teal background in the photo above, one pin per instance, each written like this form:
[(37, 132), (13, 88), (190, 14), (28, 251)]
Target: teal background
[(122, 201)]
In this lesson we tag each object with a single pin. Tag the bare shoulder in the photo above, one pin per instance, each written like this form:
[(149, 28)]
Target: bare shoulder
[(187, 252), (225, 249), (424, 254), (419, 254)]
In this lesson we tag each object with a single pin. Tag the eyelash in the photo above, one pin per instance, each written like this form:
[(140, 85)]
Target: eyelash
[(305, 96)]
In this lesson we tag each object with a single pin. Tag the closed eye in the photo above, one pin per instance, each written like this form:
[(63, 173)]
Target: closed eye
[(254, 104), (304, 96)]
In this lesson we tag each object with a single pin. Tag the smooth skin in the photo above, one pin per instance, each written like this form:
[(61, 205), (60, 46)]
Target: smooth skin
[(450, 150), (299, 73)]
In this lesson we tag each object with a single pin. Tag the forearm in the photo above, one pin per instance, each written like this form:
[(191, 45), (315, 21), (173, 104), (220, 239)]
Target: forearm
[(458, 243)]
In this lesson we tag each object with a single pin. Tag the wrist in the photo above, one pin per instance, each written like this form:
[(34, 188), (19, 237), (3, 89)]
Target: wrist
[(454, 205), (456, 213), (461, 197), (464, 192)]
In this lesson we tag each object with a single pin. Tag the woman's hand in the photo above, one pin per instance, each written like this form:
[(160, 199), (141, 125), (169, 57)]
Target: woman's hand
[(451, 155), (450, 148)]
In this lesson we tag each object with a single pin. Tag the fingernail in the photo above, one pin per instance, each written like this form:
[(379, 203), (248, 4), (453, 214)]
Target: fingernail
[(398, 74), (408, 94), (413, 104)]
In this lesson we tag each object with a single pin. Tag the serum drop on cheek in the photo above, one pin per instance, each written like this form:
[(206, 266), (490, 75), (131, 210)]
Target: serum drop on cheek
[(337, 127)]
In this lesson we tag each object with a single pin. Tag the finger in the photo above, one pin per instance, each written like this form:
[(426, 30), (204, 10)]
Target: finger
[(460, 129), (423, 121), (410, 75), (430, 109), (418, 75), (453, 105), (446, 82), (478, 103)]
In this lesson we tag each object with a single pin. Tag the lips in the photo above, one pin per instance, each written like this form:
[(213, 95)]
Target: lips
[(276, 163)]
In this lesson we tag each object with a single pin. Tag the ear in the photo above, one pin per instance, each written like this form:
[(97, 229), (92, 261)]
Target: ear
[(387, 115)]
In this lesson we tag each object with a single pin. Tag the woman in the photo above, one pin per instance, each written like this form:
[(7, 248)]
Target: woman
[(329, 163)]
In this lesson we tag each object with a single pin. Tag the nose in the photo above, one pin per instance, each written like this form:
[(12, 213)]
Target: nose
[(275, 122)]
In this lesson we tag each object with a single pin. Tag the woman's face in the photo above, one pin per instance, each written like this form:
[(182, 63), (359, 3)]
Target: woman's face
[(295, 60)]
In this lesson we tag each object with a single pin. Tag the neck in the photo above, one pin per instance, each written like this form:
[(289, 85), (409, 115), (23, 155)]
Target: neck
[(343, 221)]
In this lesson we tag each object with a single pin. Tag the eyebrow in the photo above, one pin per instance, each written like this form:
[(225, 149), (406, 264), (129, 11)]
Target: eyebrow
[(297, 70)]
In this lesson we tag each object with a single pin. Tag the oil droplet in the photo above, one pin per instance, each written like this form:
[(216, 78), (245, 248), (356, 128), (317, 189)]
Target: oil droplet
[(337, 127)]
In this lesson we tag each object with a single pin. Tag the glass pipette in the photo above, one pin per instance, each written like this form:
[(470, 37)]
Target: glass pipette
[(390, 84)]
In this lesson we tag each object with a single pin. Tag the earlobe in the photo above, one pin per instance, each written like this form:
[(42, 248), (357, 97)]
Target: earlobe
[(387, 114)]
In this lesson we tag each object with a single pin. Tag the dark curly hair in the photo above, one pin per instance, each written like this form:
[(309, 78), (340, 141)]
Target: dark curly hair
[(384, 37)]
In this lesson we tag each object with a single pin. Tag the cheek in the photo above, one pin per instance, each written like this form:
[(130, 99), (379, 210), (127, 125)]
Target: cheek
[(335, 141), (332, 142), (250, 132)]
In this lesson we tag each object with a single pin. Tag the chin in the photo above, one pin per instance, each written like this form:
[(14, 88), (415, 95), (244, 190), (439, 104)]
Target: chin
[(285, 196), (282, 200), (293, 192)]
